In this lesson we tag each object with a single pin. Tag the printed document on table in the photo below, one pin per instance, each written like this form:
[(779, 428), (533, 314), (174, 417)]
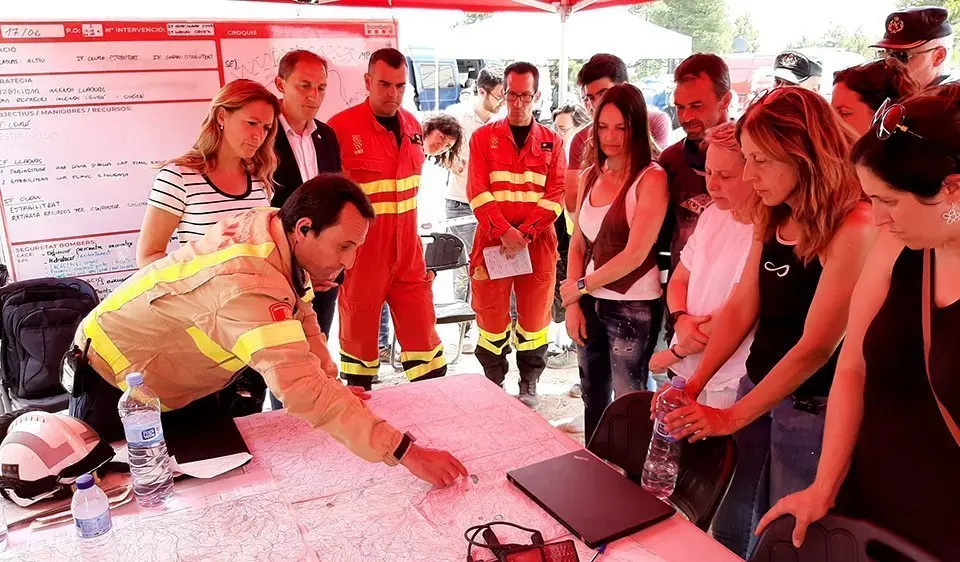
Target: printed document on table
[(498, 266)]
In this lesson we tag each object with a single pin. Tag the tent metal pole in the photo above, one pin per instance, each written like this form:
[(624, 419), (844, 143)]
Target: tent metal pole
[(564, 63)]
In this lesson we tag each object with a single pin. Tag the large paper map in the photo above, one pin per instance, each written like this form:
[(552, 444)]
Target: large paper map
[(306, 497)]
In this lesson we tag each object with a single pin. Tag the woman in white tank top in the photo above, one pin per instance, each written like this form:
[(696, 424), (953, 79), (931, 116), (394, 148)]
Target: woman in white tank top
[(612, 292)]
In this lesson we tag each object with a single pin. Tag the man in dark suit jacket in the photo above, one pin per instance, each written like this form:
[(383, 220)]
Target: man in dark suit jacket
[(305, 147)]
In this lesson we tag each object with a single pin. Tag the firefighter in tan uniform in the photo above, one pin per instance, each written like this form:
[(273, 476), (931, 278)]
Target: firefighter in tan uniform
[(239, 297)]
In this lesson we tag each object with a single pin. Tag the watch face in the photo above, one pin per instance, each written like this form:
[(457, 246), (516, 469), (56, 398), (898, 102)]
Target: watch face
[(581, 284)]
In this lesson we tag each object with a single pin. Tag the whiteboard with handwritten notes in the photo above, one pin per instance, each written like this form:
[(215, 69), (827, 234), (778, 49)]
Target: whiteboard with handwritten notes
[(88, 109)]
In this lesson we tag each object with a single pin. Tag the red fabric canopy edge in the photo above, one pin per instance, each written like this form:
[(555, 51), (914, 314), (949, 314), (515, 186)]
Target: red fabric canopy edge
[(465, 5)]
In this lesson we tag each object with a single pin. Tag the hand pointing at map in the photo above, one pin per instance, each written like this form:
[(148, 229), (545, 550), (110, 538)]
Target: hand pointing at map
[(439, 468)]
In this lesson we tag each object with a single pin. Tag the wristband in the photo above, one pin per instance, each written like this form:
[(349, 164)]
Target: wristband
[(674, 316), (403, 447), (675, 354)]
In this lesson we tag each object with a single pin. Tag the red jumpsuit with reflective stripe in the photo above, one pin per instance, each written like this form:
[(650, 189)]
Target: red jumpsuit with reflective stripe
[(389, 266), (523, 188)]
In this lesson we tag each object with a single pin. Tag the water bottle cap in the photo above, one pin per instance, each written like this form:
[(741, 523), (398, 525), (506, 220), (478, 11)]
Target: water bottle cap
[(678, 382), (134, 379), (85, 482)]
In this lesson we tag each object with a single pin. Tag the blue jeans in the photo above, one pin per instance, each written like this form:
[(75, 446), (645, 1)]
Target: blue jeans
[(455, 210), (777, 455), (384, 338), (616, 355)]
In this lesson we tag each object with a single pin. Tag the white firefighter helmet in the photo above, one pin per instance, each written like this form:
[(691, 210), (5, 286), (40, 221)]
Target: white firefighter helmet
[(42, 454)]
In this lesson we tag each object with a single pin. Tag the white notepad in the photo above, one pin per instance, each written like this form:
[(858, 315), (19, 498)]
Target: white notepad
[(498, 266)]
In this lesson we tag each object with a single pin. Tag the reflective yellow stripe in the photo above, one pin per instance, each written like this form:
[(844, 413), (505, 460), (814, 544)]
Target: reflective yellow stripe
[(519, 179), (309, 296), (389, 186), (99, 340), (421, 370), (372, 364), (269, 335), (533, 340), (395, 208), (217, 354), (354, 369), (420, 355), (518, 196), (550, 206), (103, 346), (487, 339), (482, 199), (406, 184), (507, 195), (380, 186)]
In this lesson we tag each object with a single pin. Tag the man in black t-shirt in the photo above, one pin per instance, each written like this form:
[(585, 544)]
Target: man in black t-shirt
[(702, 99)]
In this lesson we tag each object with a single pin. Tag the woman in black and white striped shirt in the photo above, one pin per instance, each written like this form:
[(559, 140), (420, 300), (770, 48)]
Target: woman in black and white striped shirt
[(228, 170)]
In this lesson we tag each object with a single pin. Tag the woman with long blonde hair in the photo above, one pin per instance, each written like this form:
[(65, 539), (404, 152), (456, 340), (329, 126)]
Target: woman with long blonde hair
[(811, 239), (709, 270), (228, 170)]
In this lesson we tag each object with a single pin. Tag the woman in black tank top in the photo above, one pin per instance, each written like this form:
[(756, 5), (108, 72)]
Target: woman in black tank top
[(813, 235), (891, 443)]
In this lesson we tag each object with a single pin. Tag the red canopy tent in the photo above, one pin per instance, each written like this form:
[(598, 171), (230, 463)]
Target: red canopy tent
[(563, 8), (556, 6)]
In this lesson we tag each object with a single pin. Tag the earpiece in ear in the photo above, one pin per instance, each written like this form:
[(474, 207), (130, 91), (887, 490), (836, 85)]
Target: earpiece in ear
[(305, 230)]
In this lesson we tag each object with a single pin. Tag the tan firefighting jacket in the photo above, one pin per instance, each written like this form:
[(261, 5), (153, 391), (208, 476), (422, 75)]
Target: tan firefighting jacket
[(191, 320)]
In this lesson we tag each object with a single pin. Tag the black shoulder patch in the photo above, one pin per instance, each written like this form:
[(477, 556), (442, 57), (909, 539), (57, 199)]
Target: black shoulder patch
[(548, 145)]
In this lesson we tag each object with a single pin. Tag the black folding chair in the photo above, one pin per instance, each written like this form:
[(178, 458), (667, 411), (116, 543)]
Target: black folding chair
[(445, 252), (835, 538), (706, 467)]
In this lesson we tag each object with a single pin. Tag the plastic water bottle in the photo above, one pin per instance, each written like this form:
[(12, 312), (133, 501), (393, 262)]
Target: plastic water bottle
[(91, 513), (146, 448), (663, 457)]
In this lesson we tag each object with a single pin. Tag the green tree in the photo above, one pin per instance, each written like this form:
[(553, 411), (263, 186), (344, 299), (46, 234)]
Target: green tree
[(703, 20), (952, 6), (839, 37), (743, 27), (471, 18), (901, 4)]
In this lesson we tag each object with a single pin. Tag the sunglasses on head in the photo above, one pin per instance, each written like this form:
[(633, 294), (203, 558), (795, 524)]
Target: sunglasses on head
[(890, 120)]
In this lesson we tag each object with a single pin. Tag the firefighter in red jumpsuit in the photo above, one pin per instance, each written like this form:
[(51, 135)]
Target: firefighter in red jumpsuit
[(515, 186), (381, 146)]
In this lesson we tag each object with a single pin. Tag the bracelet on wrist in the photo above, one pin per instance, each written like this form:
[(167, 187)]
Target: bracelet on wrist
[(675, 354)]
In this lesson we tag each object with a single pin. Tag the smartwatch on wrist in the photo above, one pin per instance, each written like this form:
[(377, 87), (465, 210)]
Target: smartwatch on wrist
[(582, 285)]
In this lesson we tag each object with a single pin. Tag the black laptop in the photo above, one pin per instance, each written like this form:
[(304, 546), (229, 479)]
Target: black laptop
[(591, 499)]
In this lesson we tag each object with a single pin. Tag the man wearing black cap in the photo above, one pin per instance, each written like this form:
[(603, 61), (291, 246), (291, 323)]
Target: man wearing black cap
[(921, 38), (793, 68)]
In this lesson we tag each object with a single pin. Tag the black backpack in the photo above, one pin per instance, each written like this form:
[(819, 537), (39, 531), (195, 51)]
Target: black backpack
[(38, 320)]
